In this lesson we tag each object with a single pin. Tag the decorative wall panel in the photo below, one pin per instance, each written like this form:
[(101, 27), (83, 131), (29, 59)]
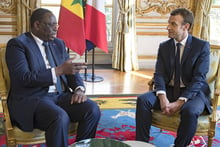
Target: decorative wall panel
[(7, 19), (162, 7), (152, 15), (8, 6)]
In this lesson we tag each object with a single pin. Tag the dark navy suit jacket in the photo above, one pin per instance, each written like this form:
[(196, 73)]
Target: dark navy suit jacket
[(195, 65), (30, 80)]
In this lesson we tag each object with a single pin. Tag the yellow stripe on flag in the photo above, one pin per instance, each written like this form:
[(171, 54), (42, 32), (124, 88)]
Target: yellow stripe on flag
[(75, 8)]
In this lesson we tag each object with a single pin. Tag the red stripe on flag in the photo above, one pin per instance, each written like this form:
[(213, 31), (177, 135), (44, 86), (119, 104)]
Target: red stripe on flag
[(71, 30), (95, 28)]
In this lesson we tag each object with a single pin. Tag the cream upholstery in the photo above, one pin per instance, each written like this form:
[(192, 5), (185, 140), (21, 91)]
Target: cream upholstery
[(206, 123), (4, 77), (14, 135)]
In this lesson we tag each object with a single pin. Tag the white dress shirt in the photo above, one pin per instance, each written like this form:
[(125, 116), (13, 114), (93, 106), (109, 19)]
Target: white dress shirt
[(183, 44)]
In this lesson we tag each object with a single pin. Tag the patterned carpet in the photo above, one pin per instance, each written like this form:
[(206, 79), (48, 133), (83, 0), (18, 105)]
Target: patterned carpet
[(118, 122), (120, 125)]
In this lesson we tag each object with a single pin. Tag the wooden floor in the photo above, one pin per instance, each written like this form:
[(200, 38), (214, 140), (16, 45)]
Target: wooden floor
[(117, 83)]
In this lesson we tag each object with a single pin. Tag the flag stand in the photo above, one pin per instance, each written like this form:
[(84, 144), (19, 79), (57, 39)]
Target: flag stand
[(91, 77)]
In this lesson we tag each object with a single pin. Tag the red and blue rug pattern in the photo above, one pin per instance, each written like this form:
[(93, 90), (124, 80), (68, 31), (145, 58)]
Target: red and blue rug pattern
[(119, 124)]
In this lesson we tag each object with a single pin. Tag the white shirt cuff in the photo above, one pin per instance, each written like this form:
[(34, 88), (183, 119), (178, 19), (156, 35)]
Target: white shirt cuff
[(183, 99), (160, 92)]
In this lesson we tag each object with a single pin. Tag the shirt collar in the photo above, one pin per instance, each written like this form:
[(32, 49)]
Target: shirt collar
[(38, 40), (183, 42)]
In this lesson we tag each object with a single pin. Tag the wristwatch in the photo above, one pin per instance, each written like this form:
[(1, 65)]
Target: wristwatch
[(81, 88)]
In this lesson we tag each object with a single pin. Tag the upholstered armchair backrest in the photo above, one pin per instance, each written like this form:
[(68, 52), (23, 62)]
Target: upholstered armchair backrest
[(4, 76), (212, 76)]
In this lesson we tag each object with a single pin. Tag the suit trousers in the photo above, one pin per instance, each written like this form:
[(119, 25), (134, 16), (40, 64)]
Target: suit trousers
[(189, 114), (54, 113)]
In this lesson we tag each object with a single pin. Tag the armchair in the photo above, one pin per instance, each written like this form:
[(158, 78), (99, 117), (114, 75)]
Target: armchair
[(14, 135), (206, 122)]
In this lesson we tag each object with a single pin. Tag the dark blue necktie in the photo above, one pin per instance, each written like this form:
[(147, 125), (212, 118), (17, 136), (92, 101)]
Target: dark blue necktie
[(177, 72), (52, 64)]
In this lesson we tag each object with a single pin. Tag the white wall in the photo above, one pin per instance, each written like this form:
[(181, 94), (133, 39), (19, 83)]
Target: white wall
[(148, 45), (4, 39)]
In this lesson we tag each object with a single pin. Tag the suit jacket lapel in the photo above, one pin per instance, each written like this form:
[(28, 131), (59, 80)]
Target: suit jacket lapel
[(54, 52), (172, 56), (187, 49), (30, 43)]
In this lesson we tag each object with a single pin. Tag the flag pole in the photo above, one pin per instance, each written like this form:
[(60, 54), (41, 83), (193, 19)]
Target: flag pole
[(85, 74), (91, 77), (93, 64), (95, 78)]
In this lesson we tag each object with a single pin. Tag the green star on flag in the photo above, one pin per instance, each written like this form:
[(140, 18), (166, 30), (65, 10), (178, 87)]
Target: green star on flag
[(77, 2)]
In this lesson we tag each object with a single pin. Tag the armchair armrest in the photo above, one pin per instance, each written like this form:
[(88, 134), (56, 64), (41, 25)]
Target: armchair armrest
[(6, 113), (216, 95), (215, 105), (151, 84)]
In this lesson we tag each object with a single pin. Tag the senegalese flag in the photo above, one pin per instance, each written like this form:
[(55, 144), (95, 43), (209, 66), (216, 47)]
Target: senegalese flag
[(71, 25)]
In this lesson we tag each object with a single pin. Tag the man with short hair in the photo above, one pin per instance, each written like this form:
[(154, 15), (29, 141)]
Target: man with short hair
[(46, 90), (179, 79)]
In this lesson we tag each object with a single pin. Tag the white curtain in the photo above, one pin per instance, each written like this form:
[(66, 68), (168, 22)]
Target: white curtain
[(201, 27), (24, 11), (124, 40)]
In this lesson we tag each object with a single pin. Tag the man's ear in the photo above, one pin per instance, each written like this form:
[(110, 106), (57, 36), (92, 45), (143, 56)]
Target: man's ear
[(36, 25), (187, 25)]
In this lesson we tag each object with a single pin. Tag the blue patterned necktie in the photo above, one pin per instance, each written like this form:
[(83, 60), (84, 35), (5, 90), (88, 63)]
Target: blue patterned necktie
[(177, 71), (52, 64)]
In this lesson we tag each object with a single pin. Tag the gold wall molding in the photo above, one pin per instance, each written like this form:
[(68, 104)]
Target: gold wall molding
[(7, 23), (8, 6), (151, 33), (151, 24), (162, 7), (147, 57), (151, 17), (8, 33)]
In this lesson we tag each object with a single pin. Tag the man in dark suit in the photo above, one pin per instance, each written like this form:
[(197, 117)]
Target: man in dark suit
[(180, 80), (47, 91)]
